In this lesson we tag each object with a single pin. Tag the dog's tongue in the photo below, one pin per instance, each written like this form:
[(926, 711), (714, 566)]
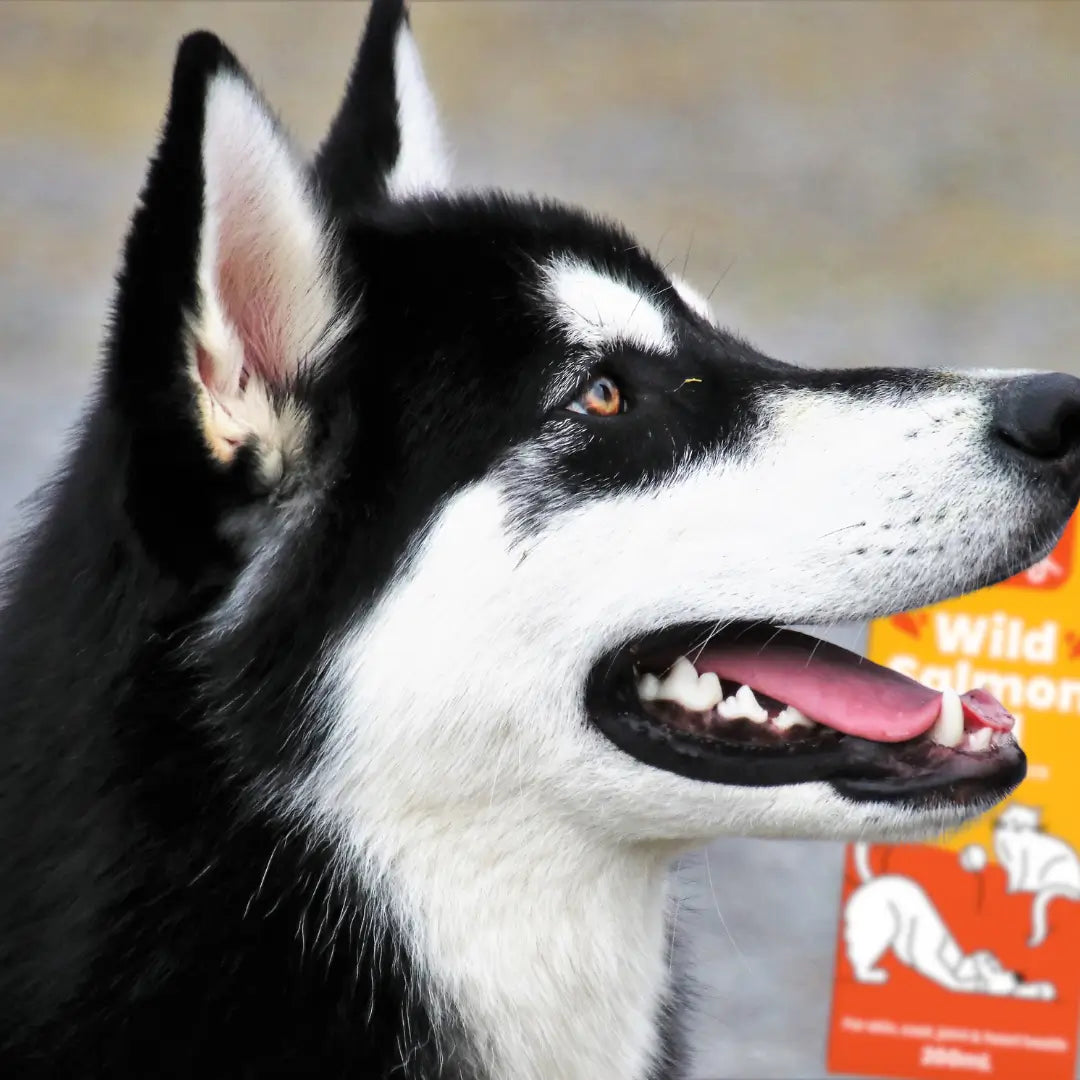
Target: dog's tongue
[(840, 689)]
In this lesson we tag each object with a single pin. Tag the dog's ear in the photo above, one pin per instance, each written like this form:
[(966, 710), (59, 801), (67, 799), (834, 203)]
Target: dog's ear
[(385, 140), (228, 302)]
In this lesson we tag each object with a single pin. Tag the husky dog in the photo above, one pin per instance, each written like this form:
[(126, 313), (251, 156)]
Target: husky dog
[(413, 594)]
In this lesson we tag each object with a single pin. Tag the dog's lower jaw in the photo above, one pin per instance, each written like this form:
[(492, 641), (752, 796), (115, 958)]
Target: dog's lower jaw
[(551, 945)]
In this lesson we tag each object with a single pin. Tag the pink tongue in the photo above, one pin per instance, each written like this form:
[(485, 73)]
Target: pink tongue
[(840, 689)]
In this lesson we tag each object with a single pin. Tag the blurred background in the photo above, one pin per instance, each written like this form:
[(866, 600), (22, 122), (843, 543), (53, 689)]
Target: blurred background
[(887, 183)]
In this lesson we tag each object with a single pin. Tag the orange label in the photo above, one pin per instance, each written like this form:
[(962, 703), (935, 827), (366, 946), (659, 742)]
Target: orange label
[(1051, 572), (963, 958)]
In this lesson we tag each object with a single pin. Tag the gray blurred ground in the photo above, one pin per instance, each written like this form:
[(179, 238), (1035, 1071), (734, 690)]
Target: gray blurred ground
[(873, 183)]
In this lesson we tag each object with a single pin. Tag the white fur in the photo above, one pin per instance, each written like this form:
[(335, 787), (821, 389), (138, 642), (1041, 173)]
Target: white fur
[(593, 309), (693, 299), (422, 164), (525, 855), (259, 216)]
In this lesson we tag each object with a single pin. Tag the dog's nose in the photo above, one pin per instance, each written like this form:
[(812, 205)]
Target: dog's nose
[(1039, 416)]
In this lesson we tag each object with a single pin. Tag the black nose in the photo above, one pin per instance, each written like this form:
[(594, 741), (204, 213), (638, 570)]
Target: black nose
[(1039, 416)]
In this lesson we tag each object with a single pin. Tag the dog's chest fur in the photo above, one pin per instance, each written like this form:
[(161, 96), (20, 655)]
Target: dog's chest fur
[(554, 950)]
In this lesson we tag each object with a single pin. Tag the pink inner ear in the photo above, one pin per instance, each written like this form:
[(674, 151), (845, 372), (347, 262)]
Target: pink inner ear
[(263, 261), (247, 285)]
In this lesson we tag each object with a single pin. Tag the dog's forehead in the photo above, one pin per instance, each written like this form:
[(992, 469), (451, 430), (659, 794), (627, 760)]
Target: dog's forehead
[(599, 306), (587, 275)]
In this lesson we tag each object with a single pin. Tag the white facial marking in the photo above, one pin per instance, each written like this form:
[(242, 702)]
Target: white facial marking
[(594, 309), (422, 164), (693, 299)]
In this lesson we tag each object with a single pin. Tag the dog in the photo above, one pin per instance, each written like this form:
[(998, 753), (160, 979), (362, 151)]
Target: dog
[(1035, 862), (415, 590), (894, 912)]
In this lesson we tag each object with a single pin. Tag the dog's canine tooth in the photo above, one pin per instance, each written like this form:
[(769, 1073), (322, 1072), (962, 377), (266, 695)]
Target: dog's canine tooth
[(979, 741), (648, 687), (790, 718), (948, 729)]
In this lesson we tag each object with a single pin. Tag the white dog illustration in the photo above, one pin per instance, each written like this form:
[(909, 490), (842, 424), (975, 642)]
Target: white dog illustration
[(895, 911), (1035, 862)]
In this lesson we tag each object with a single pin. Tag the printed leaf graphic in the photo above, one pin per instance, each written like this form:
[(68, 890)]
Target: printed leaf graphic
[(909, 622)]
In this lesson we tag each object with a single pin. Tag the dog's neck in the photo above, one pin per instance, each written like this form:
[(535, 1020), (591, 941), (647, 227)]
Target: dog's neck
[(552, 945)]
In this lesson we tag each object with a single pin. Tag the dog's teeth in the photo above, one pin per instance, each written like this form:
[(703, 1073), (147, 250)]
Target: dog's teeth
[(683, 686), (948, 729), (979, 741), (682, 673), (752, 709), (791, 717), (743, 706), (648, 687), (680, 685), (709, 691), (696, 693), (729, 709)]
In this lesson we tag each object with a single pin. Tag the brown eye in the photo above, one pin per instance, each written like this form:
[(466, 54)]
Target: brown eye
[(601, 398)]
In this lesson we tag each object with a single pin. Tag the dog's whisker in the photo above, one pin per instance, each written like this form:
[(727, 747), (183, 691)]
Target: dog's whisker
[(723, 275), (720, 914), (686, 257), (674, 934)]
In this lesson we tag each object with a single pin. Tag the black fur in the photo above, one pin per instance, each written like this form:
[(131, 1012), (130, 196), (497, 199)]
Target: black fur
[(363, 143), (156, 917), (154, 920)]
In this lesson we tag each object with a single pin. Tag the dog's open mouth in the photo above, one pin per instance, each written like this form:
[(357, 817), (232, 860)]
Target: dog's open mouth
[(764, 705)]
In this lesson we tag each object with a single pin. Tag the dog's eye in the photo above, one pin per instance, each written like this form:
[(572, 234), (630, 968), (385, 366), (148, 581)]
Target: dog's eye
[(601, 398)]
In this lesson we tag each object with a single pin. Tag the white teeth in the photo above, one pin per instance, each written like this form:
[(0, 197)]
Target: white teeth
[(710, 693), (948, 729), (703, 693), (730, 709), (791, 717), (752, 710), (979, 741), (684, 686), (648, 687), (743, 706), (680, 684), (679, 681)]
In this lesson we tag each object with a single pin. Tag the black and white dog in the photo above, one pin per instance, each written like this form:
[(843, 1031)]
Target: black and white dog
[(411, 597)]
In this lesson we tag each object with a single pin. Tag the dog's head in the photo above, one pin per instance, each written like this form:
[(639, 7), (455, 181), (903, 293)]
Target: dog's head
[(984, 969), (475, 504)]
